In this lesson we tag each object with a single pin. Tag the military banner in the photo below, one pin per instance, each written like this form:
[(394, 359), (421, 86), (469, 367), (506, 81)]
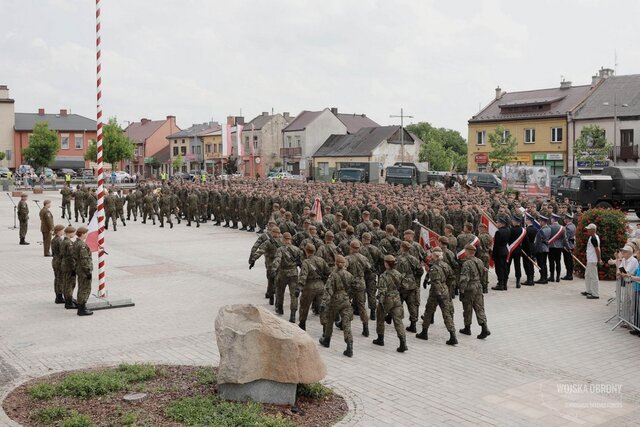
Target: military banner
[(528, 180)]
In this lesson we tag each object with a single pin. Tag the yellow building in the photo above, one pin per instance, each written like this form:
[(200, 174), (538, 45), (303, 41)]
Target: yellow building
[(537, 119)]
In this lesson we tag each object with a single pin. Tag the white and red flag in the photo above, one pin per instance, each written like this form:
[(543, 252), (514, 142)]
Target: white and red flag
[(317, 209), (462, 254), (92, 234), (253, 138), (227, 146), (558, 235), (491, 226), (428, 238), (516, 244), (239, 140)]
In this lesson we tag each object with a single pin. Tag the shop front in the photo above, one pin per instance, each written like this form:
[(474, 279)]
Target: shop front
[(482, 161), (555, 162)]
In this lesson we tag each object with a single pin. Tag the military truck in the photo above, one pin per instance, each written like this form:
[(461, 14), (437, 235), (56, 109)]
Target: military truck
[(617, 187), (407, 174)]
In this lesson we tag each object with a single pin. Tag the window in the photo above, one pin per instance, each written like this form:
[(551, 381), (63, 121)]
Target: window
[(626, 137), (529, 136), (207, 148), (297, 141), (323, 168), (64, 141), (136, 151), (556, 166), (255, 145), (195, 149), (183, 150), (505, 135), (79, 142), (481, 137), (246, 139), (175, 151), (556, 135), (289, 141)]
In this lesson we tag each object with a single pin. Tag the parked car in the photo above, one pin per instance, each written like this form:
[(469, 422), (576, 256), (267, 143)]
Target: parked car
[(86, 174), (280, 175), (177, 176), (121, 176), (67, 171), (4, 172), (488, 181)]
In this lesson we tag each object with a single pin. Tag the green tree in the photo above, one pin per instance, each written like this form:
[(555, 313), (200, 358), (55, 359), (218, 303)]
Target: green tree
[(1, 156), (178, 162), (444, 149), (504, 148), (43, 146), (116, 146), (591, 146), (154, 163)]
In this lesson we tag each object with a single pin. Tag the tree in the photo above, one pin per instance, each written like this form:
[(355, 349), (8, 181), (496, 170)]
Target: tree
[(154, 163), (444, 149), (592, 146), (1, 156), (43, 146), (178, 162), (116, 146), (504, 148)]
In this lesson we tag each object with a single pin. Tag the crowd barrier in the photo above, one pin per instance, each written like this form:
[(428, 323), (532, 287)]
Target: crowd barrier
[(627, 301)]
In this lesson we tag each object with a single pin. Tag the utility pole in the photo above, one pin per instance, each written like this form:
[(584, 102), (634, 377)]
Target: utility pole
[(402, 116)]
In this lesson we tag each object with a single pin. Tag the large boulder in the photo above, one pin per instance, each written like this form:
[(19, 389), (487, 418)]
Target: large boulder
[(255, 344)]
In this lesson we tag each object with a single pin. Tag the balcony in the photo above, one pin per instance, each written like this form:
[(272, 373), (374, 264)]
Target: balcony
[(291, 152), (625, 153)]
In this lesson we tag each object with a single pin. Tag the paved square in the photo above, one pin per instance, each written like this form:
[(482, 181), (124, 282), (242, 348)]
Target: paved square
[(550, 360)]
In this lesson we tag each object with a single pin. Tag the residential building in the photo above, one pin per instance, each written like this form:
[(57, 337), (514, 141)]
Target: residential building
[(262, 142), (309, 130), (537, 119), (7, 123), (214, 158), (614, 106), (189, 144), (150, 138), (74, 132), (371, 148)]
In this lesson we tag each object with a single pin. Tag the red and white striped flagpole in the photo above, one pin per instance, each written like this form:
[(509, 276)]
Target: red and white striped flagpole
[(102, 292)]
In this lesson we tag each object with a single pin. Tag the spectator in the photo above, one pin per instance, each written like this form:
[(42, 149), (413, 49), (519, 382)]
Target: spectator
[(594, 259), (635, 234), (635, 299)]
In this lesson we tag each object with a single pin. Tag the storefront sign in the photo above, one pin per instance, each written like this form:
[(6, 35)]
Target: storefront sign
[(550, 156), (597, 164), (523, 158), (482, 158)]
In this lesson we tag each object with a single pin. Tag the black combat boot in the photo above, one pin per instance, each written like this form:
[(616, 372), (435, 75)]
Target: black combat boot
[(266, 295), (411, 327), (198, 225), (70, 305), (303, 325), (59, 299), (226, 224), (517, 283), (452, 338), (466, 330), (365, 329), (23, 242), (170, 224), (372, 314), (235, 226), (325, 342), (271, 300), (485, 332), (279, 309), (244, 227), (161, 224), (424, 334), (433, 318), (379, 341), (292, 317), (128, 217), (567, 277), (403, 345), (349, 351), (528, 282), (84, 311), (124, 224), (189, 224)]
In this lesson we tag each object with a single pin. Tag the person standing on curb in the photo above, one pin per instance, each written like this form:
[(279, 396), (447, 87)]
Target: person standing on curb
[(23, 218), (46, 227), (594, 259)]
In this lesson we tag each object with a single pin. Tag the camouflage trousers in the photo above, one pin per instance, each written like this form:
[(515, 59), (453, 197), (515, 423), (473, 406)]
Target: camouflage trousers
[(473, 300), (66, 206), (78, 210), (24, 225), (359, 300), (164, 213), (132, 209), (68, 284), (57, 277), (282, 282), (371, 285), (110, 215), (344, 310), (84, 287), (410, 297), (311, 293), (397, 314), (446, 306)]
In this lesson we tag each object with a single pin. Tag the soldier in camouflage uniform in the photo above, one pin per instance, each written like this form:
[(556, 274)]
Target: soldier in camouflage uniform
[(92, 202), (359, 267), (58, 235), (131, 206), (471, 293), (313, 239), (78, 204), (365, 226), (192, 209), (165, 209), (84, 268), (66, 200), (438, 222), (412, 270), (120, 207), (440, 275), (390, 244), (203, 204), (389, 304), (23, 218), (175, 205), (147, 207), (376, 259), (377, 234), (328, 250), (68, 267), (285, 264), (336, 303), (483, 253), (267, 245), (286, 225), (448, 233), (110, 211), (139, 197), (313, 273)]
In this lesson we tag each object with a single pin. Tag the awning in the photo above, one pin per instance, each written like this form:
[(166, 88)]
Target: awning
[(69, 162)]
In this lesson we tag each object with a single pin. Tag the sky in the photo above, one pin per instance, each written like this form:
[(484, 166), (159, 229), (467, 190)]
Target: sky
[(203, 60)]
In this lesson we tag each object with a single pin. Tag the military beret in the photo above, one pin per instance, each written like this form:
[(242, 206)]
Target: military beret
[(286, 235), (365, 236), (82, 230), (390, 259), (436, 249), (444, 240), (409, 232), (390, 228), (70, 229), (376, 222), (310, 247), (340, 259), (470, 247), (58, 228), (350, 229), (448, 227)]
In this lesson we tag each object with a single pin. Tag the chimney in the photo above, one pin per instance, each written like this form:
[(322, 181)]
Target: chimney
[(286, 115), (144, 121), (63, 112), (239, 120), (605, 73), (231, 120), (41, 111), (4, 92), (565, 84), (595, 79), (334, 110), (264, 113), (499, 93)]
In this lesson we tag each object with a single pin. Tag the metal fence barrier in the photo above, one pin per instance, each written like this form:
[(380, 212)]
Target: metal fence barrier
[(627, 304)]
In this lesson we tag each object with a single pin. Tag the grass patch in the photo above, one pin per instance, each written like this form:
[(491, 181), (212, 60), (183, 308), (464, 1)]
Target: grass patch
[(313, 391), (206, 376), (77, 420), (215, 412), (50, 415), (90, 384), (129, 419)]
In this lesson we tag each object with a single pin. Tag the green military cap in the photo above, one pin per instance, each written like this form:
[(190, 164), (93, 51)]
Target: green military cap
[(436, 249), (355, 244), (390, 259), (340, 260), (310, 248), (405, 245)]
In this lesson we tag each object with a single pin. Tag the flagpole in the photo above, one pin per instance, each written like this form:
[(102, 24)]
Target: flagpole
[(102, 291)]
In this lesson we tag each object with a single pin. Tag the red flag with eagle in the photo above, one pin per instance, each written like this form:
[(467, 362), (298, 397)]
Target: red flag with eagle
[(428, 238), (491, 229), (317, 209)]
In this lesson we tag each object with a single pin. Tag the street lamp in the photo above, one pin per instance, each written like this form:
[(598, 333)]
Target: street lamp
[(615, 124)]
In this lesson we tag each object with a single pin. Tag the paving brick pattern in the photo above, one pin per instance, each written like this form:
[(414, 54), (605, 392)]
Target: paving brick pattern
[(542, 336)]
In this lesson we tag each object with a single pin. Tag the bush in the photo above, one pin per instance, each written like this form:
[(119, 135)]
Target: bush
[(206, 376), (50, 415), (612, 226), (78, 420), (313, 391), (213, 411), (43, 391)]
